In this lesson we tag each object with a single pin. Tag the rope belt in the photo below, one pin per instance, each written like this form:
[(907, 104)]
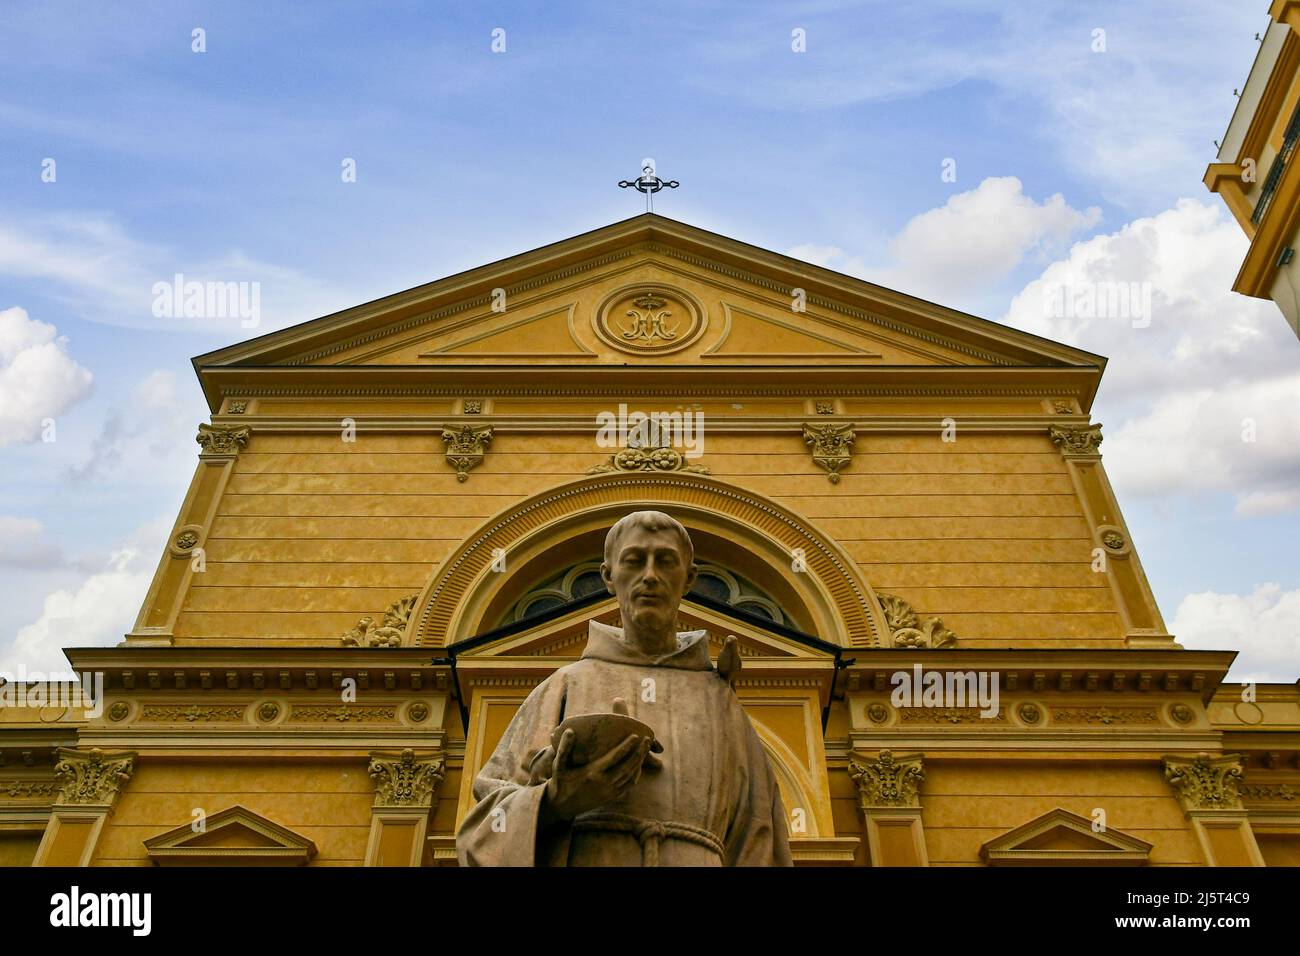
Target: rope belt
[(649, 833)]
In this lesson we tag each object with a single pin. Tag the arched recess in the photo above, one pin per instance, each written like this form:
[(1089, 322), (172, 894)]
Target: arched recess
[(839, 605), (797, 789)]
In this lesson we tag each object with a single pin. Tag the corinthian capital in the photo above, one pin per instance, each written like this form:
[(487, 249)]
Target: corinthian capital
[(887, 781), (466, 446), (1204, 782), (221, 440), (405, 780), (1076, 441), (92, 777), (832, 446)]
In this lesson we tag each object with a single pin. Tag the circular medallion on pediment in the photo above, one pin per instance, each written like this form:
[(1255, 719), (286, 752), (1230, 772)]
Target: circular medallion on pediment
[(649, 319)]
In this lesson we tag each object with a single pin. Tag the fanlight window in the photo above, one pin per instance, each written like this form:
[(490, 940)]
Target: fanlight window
[(584, 578)]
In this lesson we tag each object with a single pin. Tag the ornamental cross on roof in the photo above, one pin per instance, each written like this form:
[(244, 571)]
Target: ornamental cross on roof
[(649, 184)]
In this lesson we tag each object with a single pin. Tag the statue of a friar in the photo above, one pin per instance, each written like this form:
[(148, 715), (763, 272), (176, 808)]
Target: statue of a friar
[(639, 753)]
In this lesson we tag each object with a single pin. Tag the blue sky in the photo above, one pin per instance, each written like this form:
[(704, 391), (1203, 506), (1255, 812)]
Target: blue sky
[(1072, 163)]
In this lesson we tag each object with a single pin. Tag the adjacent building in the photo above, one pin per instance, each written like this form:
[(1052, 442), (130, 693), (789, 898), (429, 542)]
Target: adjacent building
[(1256, 171)]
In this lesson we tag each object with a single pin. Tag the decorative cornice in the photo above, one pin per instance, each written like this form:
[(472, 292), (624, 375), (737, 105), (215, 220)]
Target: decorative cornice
[(221, 441), (464, 305), (452, 390), (886, 781), (1076, 441), (405, 780), (466, 446), (1206, 783), (832, 446), (92, 777), (826, 303), (389, 634), (907, 629)]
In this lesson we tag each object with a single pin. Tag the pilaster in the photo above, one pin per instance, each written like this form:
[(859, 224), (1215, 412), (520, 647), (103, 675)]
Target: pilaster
[(888, 795), (1208, 790), (91, 782)]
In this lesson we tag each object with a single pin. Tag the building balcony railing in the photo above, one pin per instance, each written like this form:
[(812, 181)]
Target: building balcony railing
[(1289, 139)]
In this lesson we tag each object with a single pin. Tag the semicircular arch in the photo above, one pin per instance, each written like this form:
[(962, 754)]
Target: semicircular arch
[(839, 604)]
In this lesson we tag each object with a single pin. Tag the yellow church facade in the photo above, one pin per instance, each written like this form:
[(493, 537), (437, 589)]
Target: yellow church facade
[(950, 649)]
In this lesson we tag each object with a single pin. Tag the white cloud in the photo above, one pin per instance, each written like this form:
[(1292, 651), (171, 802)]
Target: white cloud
[(38, 379), (1202, 390), (97, 613), (1264, 625), (966, 245), (979, 237), (23, 544), (157, 430), (94, 266)]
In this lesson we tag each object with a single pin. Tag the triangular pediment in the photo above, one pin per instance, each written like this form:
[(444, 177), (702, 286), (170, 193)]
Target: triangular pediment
[(649, 292), (235, 836), (1062, 838), (565, 636)]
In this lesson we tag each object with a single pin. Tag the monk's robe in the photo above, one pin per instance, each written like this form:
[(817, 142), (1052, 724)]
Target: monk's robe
[(713, 802)]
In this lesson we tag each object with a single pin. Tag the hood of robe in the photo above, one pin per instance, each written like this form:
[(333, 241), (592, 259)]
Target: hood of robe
[(605, 643)]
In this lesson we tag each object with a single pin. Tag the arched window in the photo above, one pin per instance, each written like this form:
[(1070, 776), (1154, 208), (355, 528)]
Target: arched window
[(583, 578)]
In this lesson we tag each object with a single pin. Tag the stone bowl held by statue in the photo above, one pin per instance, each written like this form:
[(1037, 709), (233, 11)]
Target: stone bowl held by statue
[(597, 734)]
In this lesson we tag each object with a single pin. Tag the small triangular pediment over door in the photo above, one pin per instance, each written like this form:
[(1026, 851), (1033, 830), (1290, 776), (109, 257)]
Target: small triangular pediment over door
[(235, 836), (1062, 838)]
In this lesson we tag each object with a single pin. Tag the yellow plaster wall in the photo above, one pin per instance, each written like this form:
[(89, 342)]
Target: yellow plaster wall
[(327, 802), (964, 805), (313, 533)]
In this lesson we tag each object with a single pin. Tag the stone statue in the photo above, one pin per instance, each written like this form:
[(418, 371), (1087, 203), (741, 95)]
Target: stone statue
[(639, 753)]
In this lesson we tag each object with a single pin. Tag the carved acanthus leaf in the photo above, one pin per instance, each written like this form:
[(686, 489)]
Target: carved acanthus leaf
[(221, 439), (1076, 440), (832, 446), (389, 634), (405, 780), (92, 776), (466, 446), (1205, 782), (887, 781), (907, 629)]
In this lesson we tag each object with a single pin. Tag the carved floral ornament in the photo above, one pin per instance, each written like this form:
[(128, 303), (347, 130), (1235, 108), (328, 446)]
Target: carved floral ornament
[(218, 440), (886, 781), (649, 320), (1076, 440), (832, 446), (466, 446), (405, 780), (92, 777), (388, 634), (648, 459), (1205, 782)]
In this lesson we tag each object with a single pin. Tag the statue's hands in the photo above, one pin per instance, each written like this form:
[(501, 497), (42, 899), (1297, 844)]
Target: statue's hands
[(574, 790)]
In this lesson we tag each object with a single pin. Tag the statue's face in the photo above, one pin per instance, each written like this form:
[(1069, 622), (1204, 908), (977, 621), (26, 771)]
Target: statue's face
[(649, 575)]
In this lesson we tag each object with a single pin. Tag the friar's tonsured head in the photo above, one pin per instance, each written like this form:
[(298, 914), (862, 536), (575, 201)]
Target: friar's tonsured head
[(649, 565)]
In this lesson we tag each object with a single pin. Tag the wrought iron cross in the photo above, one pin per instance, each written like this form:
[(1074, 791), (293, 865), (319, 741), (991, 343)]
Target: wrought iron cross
[(649, 184)]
